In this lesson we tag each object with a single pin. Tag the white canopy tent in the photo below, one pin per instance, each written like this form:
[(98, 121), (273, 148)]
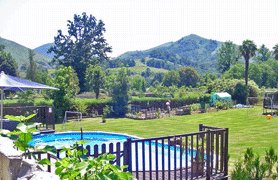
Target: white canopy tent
[(14, 83)]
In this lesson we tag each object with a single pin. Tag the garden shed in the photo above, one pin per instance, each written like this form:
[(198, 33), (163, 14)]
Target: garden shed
[(221, 96)]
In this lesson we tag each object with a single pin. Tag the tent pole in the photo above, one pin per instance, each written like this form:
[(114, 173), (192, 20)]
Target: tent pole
[(2, 98)]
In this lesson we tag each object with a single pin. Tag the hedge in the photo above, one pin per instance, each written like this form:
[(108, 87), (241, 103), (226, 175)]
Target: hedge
[(144, 102)]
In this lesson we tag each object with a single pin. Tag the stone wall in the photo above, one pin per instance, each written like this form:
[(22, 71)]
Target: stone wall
[(13, 166)]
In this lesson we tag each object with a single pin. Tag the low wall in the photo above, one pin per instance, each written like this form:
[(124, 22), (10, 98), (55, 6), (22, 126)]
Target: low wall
[(13, 166)]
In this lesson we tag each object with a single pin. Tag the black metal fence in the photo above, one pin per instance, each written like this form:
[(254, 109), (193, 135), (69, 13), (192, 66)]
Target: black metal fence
[(203, 154)]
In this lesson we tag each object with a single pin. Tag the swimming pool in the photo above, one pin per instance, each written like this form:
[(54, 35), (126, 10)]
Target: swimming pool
[(150, 151)]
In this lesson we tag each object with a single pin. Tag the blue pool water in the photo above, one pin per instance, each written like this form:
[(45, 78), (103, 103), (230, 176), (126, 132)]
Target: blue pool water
[(92, 138)]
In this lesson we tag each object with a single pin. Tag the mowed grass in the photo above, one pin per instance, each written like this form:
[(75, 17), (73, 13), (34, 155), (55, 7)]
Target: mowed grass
[(247, 128)]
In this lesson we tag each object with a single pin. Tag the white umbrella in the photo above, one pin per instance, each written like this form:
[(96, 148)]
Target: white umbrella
[(14, 83)]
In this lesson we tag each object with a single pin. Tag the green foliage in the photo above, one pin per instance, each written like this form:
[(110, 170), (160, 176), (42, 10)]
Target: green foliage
[(263, 74), (271, 158), (247, 50), (80, 47), (252, 169), (191, 50), (78, 166), (220, 104), (95, 79), (7, 62), (23, 133), (235, 72), (263, 54), (275, 52), (171, 78), (66, 80), (138, 84), (119, 92), (227, 55), (240, 93), (188, 77), (22, 119), (81, 107), (26, 97), (228, 85), (32, 68), (208, 78)]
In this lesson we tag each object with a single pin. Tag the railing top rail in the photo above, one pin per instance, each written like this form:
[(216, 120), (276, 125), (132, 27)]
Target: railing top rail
[(211, 127), (167, 137)]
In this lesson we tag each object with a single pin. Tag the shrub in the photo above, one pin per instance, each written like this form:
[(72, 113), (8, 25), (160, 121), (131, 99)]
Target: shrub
[(250, 168), (81, 107), (78, 166), (240, 93), (223, 105), (26, 97)]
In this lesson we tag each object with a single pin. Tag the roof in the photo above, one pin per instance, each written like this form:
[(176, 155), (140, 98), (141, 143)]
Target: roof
[(15, 83), (222, 94)]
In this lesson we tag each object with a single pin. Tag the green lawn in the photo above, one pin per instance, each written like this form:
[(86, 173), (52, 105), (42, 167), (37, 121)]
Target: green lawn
[(247, 128)]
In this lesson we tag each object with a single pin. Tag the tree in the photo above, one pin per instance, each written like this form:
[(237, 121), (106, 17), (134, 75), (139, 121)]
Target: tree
[(188, 77), (227, 55), (95, 79), (275, 52), (139, 84), (67, 81), (119, 91), (235, 72), (247, 50), (240, 93), (263, 54), (83, 45), (32, 68), (171, 78), (7, 63)]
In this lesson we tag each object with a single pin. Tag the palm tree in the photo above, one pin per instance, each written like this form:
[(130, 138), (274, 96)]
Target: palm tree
[(275, 52), (247, 50)]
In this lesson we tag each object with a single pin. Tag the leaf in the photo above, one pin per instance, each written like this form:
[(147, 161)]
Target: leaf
[(5, 132), (30, 116), (22, 127), (11, 117), (45, 162)]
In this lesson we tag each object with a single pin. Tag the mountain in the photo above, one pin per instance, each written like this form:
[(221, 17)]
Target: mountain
[(43, 50), (191, 50), (21, 55)]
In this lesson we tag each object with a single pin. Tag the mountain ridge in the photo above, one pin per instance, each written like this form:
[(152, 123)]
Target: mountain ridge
[(21, 54), (191, 50)]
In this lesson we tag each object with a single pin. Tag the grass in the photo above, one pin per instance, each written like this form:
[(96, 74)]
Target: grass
[(247, 128)]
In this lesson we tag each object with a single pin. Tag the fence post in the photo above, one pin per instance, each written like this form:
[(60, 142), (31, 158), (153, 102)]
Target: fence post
[(208, 155), (127, 154), (200, 127), (226, 152)]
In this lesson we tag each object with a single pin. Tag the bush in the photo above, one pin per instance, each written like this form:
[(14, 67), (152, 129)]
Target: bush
[(191, 98), (240, 93), (250, 168), (223, 105)]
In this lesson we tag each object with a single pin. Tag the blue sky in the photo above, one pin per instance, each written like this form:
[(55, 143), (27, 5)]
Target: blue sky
[(142, 24)]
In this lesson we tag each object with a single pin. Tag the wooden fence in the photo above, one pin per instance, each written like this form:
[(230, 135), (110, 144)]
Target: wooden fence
[(202, 154), (45, 114)]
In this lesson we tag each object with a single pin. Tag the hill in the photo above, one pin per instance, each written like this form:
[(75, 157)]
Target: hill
[(43, 50), (191, 50), (21, 55)]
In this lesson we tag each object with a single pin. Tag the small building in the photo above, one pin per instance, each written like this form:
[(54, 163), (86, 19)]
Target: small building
[(221, 96)]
